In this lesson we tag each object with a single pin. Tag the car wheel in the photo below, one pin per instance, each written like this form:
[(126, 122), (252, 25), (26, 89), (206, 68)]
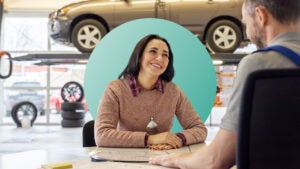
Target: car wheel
[(72, 92), (24, 109), (86, 34), (223, 36)]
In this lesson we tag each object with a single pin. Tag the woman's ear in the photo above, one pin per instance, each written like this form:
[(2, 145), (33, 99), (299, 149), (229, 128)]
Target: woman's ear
[(261, 14)]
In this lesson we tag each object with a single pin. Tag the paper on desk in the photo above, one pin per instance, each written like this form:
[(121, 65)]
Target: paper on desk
[(129, 154)]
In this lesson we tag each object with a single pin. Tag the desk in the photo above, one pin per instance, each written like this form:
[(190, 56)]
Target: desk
[(78, 157), (35, 158)]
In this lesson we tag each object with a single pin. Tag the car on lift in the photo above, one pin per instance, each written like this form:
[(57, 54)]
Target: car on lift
[(217, 23)]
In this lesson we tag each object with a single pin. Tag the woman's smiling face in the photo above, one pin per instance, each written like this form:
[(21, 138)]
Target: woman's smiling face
[(155, 58)]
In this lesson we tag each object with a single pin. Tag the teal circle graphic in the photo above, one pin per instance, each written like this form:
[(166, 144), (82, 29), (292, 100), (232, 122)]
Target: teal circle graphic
[(194, 70)]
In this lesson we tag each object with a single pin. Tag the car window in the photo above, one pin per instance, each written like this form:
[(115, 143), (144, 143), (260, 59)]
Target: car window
[(26, 84)]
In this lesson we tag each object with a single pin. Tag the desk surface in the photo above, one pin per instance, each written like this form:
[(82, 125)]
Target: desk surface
[(79, 158)]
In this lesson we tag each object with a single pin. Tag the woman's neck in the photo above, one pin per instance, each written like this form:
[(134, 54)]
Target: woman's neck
[(146, 82)]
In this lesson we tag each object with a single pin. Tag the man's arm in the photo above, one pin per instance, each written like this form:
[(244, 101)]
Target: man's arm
[(218, 155)]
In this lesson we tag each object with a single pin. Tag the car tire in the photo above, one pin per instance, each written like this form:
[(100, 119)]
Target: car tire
[(72, 115), (72, 92), (72, 123), (26, 108), (66, 106), (223, 36), (82, 32)]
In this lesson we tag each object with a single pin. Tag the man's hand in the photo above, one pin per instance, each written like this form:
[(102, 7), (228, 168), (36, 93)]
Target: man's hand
[(175, 160), (219, 154)]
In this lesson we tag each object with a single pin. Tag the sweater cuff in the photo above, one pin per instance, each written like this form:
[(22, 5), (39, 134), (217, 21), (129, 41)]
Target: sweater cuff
[(146, 140), (182, 137)]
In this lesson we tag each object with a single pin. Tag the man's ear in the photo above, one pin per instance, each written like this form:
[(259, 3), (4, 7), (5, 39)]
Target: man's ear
[(261, 15)]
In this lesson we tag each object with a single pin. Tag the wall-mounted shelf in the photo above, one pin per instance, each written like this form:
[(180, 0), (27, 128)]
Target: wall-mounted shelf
[(55, 58)]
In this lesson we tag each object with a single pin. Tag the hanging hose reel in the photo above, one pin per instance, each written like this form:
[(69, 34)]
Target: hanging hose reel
[(4, 55)]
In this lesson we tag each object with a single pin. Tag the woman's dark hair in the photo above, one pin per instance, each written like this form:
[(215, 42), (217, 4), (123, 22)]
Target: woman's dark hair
[(133, 66)]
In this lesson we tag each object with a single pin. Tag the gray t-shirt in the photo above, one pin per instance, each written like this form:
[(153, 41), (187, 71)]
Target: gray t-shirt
[(253, 62)]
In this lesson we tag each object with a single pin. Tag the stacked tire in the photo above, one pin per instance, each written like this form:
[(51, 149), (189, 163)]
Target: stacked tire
[(73, 112)]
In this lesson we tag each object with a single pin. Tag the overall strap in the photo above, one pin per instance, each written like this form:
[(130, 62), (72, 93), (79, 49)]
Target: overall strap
[(284, 51)]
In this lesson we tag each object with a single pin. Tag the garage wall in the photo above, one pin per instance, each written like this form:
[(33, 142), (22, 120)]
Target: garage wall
[(35, 5)]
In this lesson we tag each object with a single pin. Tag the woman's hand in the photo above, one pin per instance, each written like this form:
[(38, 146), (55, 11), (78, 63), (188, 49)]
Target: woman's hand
[(160, 147), (165, 138)]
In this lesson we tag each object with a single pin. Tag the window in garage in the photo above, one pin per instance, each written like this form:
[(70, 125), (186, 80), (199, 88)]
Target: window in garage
[(24, 33), (29, 83)]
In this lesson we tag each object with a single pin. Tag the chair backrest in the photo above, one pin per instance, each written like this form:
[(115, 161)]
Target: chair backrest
[(269, 126), (88, 138)]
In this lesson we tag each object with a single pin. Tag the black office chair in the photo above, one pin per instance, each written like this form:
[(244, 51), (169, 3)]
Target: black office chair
[(269, 126), (88, 138)]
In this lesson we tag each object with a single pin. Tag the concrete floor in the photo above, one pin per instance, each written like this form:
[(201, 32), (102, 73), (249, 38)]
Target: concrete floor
[(13, 139)]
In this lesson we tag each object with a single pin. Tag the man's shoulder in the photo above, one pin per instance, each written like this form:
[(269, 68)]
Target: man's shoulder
[(253, 58)]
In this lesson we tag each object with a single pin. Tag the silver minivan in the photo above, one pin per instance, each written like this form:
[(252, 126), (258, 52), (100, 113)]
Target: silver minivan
[(217, 23)]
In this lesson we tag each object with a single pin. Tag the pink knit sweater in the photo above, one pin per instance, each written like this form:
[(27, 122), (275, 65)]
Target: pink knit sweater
[(122, 118)]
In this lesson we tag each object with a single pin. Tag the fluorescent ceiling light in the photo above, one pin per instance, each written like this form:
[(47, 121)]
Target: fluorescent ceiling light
[(218, 62)]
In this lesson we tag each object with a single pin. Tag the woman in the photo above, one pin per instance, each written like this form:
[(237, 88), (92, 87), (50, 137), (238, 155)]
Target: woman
[(138, 109)]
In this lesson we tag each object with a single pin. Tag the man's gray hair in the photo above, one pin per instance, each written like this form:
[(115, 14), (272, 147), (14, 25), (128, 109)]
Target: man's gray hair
[(284, 11)]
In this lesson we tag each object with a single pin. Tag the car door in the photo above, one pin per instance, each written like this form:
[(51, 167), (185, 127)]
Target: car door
[(136, 9), (193, 14)]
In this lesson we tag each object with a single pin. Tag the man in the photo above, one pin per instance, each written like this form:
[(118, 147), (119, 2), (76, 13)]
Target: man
[(268, 23)]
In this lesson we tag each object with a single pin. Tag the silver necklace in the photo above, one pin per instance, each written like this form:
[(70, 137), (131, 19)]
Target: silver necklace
[(152, 126)]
